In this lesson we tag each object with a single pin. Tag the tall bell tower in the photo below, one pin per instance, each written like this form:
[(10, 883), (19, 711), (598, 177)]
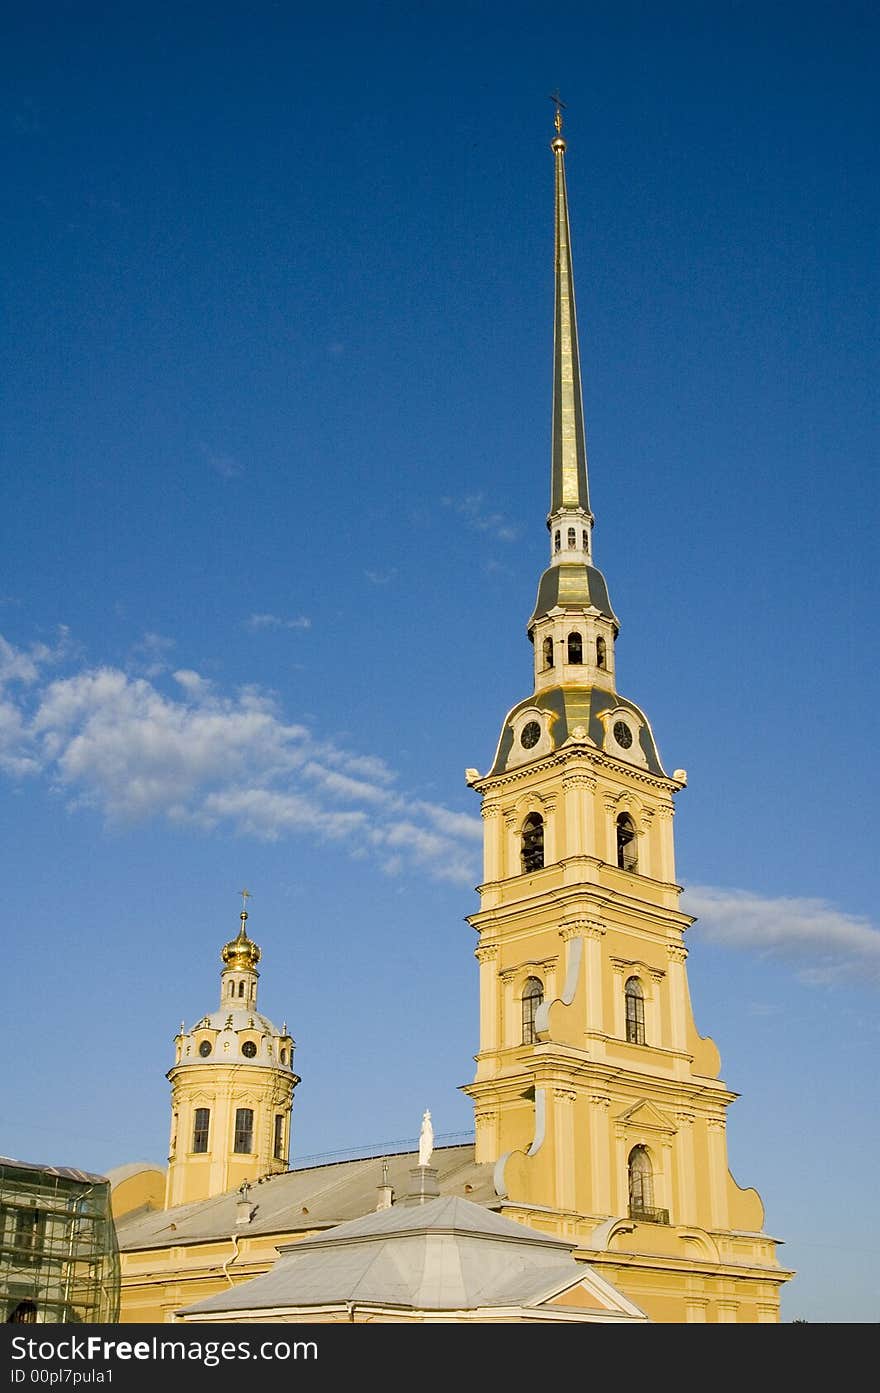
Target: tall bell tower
[(598, 1102)]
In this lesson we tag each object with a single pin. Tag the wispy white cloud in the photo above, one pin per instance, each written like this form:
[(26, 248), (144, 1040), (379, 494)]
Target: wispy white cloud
[(130, 748), (150, 655), (381, 577), (472, 507), (226, 465), (275, 621), (824, 943)]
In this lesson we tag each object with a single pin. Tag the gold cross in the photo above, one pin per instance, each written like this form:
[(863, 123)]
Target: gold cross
[(245, 896), (560, 107)]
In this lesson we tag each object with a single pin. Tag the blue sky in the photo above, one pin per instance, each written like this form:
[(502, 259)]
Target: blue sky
[(275, 460)]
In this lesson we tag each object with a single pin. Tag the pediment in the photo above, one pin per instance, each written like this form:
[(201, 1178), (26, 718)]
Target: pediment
[(648, 1117), (591, 1296)]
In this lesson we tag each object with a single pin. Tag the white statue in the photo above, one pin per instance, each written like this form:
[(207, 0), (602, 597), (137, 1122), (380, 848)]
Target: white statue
[(426, 1139)]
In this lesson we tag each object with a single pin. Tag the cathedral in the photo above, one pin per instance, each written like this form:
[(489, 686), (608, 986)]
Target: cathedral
[(600, 1117)]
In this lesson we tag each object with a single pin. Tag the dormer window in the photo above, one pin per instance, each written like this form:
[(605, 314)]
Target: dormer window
[(532, 854), (575, 648)]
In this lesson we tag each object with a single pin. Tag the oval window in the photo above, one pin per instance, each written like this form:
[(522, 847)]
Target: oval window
[(205, 1048), (622, 734)]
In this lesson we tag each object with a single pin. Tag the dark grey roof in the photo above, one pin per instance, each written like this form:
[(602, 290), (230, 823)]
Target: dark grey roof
[(578, 706), (61, 1172), (316, 1197), (446, 1214), (446, 1254), (573, 586)]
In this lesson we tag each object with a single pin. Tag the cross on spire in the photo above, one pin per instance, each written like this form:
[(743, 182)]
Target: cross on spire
[(560, 107)]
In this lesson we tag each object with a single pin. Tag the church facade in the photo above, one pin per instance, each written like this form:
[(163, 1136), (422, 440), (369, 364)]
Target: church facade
[(600, 1114)]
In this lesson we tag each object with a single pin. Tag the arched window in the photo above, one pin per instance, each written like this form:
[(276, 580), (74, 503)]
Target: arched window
[(533, 995), (641, 1183), (586, 540), (557, 541), (548, 652), (627, 847), (232, 989), (575, 648), (243, 1140), (241, 988), (600, 652), (635, 1011), (572, 539), (532, 855), (201, 1124)]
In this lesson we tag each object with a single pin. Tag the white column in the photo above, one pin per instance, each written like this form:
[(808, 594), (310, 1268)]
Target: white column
[(654, 1032), (593, 935), (551, 856), (510, 1033), (677, 989), (577, 790), (600, 1202), (646, 843), (486, 1148), (685, 1168), (718, 1172), (487, 958), (563, 1132), (618, 1015), (491, 842), (665, 845)]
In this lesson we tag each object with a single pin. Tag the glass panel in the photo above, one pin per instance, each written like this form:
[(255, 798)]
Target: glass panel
[(244, 1131)]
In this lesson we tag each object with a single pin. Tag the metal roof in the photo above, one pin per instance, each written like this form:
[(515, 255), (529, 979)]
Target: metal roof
[(447, 1254), (304, 1200)]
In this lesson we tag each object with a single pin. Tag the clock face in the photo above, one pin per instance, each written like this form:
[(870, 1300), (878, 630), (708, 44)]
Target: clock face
[(531, 734), (205, 1048), (622, 734)]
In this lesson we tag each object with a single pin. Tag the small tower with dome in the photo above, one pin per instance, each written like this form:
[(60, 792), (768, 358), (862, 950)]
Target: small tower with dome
[(232, 1087)]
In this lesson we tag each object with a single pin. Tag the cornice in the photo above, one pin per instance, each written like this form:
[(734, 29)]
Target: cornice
[(590, 755)]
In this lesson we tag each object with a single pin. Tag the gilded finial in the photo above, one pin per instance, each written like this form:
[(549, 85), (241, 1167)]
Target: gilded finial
[(241, 952), (560, 107)]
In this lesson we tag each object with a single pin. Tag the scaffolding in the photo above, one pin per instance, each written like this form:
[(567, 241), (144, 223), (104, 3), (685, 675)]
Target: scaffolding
[(59, 1261)]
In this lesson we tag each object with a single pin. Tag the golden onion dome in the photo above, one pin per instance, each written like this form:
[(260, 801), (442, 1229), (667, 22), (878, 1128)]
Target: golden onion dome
[(241, 952)]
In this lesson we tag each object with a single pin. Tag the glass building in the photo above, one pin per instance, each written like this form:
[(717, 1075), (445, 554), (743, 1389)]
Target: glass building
[(59, 1262)]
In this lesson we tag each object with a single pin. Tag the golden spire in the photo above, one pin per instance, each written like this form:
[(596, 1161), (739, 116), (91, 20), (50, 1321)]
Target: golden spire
[(241, 952), (568, 488)]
